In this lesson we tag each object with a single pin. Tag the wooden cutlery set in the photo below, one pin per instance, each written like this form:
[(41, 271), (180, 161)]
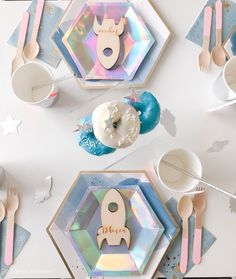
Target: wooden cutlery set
[(217, 54), (186, 207), (9, 211), (31, 50)]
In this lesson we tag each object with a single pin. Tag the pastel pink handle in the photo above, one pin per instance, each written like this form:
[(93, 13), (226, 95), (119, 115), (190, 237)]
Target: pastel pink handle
[(218, 14), (39, 11), (207, 21), (9, 247), (23, 27), (184, 256), (197, 246)]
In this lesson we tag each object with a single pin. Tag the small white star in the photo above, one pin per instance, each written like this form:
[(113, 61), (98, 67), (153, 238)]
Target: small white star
[(10, 126)]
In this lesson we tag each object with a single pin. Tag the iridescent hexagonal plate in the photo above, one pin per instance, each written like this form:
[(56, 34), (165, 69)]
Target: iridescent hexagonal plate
[(150, 17), (141, 221), (65, 216), (81, 41)]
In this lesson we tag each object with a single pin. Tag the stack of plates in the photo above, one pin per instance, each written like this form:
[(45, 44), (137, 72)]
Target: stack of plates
[(142, 42), (74, 228)]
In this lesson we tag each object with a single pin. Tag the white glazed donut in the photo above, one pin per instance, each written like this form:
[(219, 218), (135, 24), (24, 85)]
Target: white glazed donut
[(116, 124)]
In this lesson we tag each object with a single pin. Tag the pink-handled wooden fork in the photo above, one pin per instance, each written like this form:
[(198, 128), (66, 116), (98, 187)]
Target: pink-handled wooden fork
[(12, 204), (185, 209), (199, 206)]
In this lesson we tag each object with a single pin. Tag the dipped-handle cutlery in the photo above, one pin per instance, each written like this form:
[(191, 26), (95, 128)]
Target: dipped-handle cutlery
[(12, 204), (18, 60), (31, 50), (218, 53), (185, 210), (205, 56), (199, 205)]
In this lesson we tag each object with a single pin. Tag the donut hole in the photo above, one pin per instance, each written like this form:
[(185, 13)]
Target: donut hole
[(113, 207), (107, 51), (116, 124)]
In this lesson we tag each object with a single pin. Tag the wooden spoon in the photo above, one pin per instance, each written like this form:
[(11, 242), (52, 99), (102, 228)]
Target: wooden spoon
[(185, 210), (218, 53), (18, 61), (31, 50)]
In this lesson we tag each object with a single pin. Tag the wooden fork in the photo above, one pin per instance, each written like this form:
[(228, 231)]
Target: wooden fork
[(12, 204), (199, 206)]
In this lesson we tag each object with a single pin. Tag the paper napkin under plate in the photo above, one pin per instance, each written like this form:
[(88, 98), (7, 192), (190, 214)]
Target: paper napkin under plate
[(21, 237), (169, 264), (229, 20), (50, 18)]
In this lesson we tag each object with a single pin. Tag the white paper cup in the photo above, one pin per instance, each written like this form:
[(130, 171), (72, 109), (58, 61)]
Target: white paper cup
[(30, 76), (173, 179), (229, 77)]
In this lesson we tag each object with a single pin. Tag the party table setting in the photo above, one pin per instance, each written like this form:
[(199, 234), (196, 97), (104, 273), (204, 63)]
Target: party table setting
[(117, 139)]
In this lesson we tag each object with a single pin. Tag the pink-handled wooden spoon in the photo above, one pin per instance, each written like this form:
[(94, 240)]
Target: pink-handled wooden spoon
[(205, 56), (218, 53), (185, 210), (18, 61), (31, 50)]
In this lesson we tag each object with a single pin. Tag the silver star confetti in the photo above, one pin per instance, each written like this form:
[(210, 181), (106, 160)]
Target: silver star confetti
[(133, 98), (84, 128)]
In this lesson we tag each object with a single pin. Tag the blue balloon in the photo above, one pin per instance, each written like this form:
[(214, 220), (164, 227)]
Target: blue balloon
[(150, 111), (89, 142)]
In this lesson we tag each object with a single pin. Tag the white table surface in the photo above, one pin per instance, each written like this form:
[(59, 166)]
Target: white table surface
[(45, 145)]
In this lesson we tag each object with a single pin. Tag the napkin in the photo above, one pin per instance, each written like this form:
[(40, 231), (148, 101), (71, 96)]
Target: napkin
[(229, 20), (50, 18), (21, 237), (169, 264)]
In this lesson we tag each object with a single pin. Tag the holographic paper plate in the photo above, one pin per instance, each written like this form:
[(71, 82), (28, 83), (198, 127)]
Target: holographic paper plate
[(58, 228), (141, 221), (81, 41), (151, 18)]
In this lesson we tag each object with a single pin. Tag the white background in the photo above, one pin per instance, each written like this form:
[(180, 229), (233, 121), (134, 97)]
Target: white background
[(46, 146)]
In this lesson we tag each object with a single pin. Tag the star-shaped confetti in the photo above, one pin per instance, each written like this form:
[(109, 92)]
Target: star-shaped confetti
[(133, 98), (10, 125), (83, 128), (108, 123)]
